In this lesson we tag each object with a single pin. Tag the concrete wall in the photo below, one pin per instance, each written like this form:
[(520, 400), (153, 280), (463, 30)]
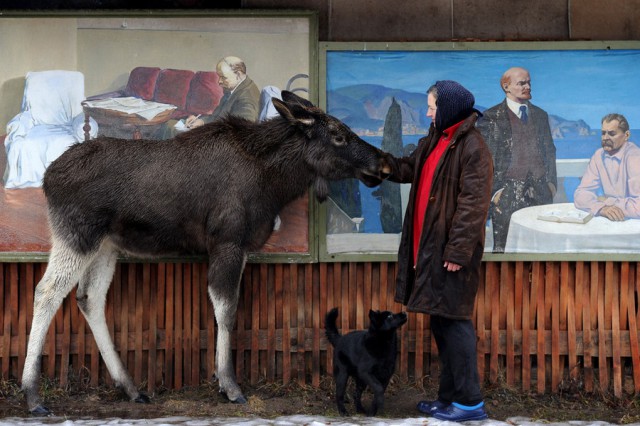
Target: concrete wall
[(438, 20)]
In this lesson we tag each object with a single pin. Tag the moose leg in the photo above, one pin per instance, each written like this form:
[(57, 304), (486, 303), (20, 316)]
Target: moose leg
[(226, 264), (63, 271), (92, 296)]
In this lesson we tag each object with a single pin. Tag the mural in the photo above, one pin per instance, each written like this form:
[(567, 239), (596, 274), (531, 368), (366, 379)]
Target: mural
[(175, 74), (540, 154)]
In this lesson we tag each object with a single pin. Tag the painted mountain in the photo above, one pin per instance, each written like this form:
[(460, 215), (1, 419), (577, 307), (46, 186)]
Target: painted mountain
[(363, 107)]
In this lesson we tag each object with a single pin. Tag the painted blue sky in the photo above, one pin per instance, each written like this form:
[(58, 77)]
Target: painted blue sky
[(573, 84)]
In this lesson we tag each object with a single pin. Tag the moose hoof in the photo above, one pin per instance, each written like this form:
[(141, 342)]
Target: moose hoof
[(142, 399), (40, 411), (239, 400)]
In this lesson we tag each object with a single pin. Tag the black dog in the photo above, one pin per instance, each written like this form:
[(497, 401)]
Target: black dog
[(369, 356)]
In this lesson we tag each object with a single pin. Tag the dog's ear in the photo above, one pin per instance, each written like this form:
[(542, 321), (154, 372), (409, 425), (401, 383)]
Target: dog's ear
[(372, 315)]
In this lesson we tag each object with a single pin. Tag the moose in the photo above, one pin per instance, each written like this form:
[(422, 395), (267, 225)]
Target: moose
[(214, 190)]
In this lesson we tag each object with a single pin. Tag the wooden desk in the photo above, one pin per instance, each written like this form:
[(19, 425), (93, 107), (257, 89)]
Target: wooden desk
[(130, 123)]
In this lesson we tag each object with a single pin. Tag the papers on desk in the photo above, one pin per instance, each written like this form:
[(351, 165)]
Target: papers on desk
[(571, 216), (131, 105), (181, 126)]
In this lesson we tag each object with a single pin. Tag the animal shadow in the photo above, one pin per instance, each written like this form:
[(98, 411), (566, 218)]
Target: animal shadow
[(369, 356)]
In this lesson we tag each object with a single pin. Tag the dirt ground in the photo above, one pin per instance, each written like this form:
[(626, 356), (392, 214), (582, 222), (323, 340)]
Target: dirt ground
[(270, 401)]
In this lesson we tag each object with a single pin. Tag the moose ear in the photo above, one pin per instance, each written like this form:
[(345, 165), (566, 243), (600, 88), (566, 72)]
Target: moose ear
[(292, 98), (293, 112)]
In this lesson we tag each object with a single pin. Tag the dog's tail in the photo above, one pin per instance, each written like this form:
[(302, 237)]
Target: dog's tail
[(331, 331)]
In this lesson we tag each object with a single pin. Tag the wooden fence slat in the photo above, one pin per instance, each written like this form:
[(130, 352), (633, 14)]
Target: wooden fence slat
[(525, 296), (185, 330), (169, 326), (615, 334), (178, 324), (255, 325), (590, 324), (569, 313), (138, 283), (6, 306), (196, 291), (518, 293), (264, 286), (152, 326), (275, 312), (315, 347), (480, 319), (633, 327), (495, 329), (307, 354), (299, 292), (286, 324), (538, 277), (509, 307)]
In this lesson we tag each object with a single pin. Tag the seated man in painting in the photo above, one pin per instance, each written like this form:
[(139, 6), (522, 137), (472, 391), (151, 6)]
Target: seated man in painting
[(610, 186), (241, 95)]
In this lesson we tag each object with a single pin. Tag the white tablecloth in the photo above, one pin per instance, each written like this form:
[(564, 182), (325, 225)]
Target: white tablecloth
[(528, 234)]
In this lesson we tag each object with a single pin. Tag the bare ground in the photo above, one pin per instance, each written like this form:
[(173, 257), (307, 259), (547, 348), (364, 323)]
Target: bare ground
[(270, 401)]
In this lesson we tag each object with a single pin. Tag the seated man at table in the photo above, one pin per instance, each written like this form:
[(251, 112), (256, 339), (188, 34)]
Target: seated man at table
[(241, 98), (241, 95), (610, 186)]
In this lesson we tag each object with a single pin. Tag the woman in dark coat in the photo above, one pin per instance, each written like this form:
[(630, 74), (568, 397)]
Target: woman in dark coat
[(443, 242)]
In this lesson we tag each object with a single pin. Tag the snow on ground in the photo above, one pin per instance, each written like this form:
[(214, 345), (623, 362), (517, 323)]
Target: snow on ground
[(283, 421)]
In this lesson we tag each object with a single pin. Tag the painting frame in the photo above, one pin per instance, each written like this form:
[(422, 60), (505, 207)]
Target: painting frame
[(353, 247), (144, 34)]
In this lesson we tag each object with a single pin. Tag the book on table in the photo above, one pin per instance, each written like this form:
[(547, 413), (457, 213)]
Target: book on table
[(571, 216)]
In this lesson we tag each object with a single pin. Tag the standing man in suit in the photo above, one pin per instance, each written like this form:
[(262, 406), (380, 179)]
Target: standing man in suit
[(241, 95), (524, 156)]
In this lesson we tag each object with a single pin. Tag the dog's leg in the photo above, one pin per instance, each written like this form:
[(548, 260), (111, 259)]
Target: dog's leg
[(341, 377), (378, 392), (357, 396)]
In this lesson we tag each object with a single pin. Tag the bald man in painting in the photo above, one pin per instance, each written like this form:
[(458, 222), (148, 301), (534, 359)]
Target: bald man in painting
[(241, 95), (524, 156)]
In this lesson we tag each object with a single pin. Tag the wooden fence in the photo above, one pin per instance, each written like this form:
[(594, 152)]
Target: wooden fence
[(541, 325)]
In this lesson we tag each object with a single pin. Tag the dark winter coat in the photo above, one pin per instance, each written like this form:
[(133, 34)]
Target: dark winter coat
[(454, 224)]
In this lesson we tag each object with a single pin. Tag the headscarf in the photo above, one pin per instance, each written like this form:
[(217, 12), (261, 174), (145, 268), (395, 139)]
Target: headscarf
[(454, 102)]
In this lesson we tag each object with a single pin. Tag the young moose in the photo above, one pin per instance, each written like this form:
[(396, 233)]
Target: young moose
[(216, 189)]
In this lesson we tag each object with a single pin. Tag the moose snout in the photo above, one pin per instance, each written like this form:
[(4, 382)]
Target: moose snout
[(378, 171), (385, 168)]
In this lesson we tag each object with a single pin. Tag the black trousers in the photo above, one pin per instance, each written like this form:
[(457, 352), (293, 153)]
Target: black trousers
[(456, 341)]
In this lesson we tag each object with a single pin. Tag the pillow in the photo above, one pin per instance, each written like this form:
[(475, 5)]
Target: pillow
[(142, 82), (204, 93), (172, 87)]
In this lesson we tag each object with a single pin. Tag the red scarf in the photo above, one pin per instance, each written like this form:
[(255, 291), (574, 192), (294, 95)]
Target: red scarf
[(424, 185)]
